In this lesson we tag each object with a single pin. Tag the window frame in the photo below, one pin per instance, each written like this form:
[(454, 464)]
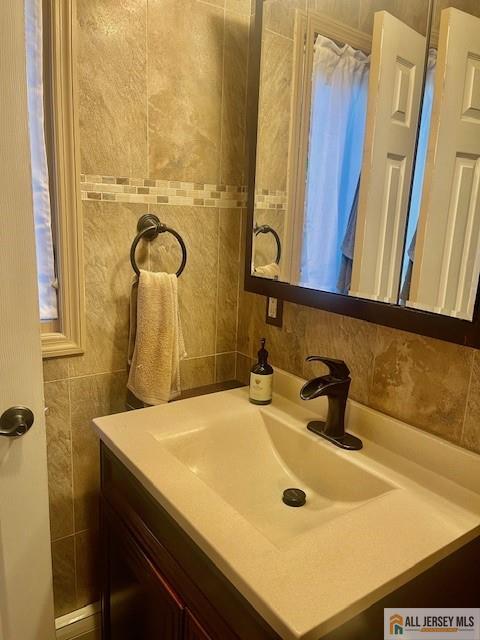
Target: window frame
[(66, 336)]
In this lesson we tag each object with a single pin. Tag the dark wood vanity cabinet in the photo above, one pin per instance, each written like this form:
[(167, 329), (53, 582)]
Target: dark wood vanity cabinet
[(193, 629), (139, 596), (157, 584)]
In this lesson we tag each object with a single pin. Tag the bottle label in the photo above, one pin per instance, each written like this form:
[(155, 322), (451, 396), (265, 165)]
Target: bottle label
[(261, 387)]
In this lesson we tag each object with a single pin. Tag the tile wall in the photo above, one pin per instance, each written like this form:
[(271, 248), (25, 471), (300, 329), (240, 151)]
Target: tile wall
[(431, 384), (162, 91), (162, 88)]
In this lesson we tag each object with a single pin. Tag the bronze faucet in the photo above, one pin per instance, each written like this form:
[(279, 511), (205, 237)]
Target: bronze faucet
[(335, 386)]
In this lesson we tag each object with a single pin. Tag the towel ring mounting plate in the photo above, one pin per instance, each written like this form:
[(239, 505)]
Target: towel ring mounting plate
[(149, 227)]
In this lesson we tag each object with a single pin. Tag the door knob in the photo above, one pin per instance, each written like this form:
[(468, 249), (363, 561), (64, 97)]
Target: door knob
[(15, 422)]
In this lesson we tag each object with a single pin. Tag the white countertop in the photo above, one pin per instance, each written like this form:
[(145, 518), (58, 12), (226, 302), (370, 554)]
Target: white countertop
[(328, 574)]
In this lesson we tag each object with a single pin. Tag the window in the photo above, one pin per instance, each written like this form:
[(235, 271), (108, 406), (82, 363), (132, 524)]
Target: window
[(55, 173)]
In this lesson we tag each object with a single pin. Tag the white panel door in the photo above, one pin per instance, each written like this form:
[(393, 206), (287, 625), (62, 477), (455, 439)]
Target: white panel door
[(26, 602), (447, 254), (395, 86)]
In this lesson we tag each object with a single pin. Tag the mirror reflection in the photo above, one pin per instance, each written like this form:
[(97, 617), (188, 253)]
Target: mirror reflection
[(367, 156)]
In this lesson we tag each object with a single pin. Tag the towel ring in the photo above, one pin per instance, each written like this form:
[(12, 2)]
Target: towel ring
[(149, 227), (266, 228)]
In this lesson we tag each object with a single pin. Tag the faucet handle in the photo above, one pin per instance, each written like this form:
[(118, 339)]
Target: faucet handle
[(338, 369)]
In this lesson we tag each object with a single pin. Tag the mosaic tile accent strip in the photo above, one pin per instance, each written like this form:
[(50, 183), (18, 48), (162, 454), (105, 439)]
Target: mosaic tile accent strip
[(265, 199), (166, 192)]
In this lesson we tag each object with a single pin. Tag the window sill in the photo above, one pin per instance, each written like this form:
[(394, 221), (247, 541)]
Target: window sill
[(55, 345)]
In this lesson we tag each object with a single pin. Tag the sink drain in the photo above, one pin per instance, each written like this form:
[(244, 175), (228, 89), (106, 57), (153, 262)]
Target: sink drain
[(294, 497)]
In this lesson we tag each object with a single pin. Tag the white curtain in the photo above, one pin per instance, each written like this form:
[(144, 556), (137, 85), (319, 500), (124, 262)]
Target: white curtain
[(41, 193), (337, 127)]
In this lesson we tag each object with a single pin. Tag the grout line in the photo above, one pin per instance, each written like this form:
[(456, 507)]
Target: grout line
[(85, 375), (56, 380), (89, 375), (280, 35), (243, 216), (210, 355), (245, 104), (212, 4), (70, 535), (75, 568), (374, 363), (237, 13), (87, 530), (467, 398), (73, 487), (217, 296), (147, 96), (239, 278), (222, 100)]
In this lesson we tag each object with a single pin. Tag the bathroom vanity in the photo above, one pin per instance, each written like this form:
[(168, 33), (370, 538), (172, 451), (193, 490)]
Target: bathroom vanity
[(196, 542)]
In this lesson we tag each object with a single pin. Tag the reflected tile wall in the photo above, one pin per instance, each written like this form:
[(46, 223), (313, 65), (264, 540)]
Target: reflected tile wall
[(279, 15), (274, 111), (360, 14)]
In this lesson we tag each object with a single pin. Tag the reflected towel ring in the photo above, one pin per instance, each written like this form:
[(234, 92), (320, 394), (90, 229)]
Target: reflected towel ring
[(148, 227), (266, 228)]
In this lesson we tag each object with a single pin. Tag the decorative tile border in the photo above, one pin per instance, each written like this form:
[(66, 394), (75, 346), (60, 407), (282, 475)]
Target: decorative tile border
[(173, 192), (165, 192), (270, 199)]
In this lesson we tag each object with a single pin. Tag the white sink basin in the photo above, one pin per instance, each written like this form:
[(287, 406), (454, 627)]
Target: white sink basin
[(374, 519), (250, 462)]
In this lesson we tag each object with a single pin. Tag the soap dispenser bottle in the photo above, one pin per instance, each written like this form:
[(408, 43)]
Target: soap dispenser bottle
[(261, 377)]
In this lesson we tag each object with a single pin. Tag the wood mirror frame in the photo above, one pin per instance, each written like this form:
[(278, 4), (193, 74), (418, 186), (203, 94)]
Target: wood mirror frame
[(398, 317)]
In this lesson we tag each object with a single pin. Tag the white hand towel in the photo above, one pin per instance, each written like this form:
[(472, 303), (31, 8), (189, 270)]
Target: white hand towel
[(156, 341), (271, 270)]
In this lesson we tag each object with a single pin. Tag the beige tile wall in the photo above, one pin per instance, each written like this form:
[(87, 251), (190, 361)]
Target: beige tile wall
[(431, 384), (162, 89), (162, 96)]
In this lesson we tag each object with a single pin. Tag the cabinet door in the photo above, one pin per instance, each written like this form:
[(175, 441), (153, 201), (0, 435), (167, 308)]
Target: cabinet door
[(140, 604), (193, 629)]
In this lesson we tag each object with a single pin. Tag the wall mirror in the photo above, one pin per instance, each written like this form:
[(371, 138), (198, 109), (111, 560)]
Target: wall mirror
[(364, 181)]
